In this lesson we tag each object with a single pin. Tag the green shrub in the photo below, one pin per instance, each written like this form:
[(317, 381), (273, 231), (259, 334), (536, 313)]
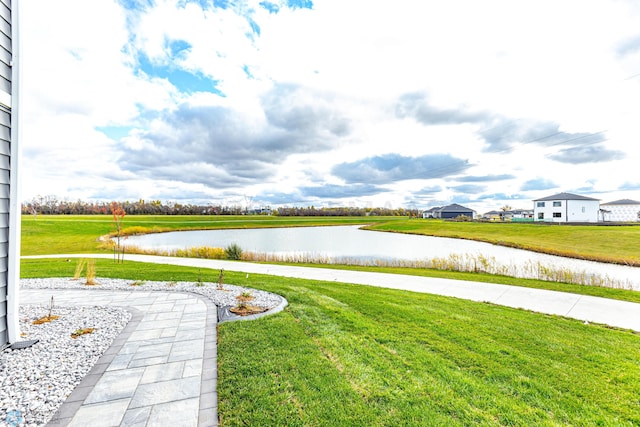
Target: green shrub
[(233, 252)]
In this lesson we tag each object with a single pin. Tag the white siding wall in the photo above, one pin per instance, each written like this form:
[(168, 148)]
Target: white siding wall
[(5, 162), (622, 213), (544, 211), (583, 210), (567, 210)]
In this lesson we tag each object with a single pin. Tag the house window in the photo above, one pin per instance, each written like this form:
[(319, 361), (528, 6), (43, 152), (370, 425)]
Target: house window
[(557, 204), (541, 215), (584, 209), (557, 214), (540, 204)]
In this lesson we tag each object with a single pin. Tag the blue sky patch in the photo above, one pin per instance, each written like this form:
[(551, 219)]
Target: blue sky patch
[(246, 70), (115, 132), (179, 48), (270, 7), (254, 27), (136, 4), (222, 4), (204, 4), (185, 81), (300, 4)]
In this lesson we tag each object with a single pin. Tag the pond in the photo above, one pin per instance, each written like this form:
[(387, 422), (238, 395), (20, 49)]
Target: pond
[(352, 244)]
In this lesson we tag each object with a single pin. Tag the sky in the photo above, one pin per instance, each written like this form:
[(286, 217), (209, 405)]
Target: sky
[(365, 103)]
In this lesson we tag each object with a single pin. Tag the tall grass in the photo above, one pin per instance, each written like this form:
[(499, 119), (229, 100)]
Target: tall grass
[(465, 263), (205, 252)]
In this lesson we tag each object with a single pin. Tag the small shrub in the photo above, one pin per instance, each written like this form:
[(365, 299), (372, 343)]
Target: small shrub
[(91, 273), (221, 280), (245, 296), (233, 252), (45, 319), (199, 281), (83, 331), (79, 268), (136, 230)]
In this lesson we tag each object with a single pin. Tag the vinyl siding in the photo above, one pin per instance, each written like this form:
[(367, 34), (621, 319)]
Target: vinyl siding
[(5, 166)]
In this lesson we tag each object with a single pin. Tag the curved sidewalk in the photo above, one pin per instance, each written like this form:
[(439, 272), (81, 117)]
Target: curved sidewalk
[(610, 312)]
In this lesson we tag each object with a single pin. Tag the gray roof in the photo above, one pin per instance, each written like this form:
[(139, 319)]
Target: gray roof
[(623, 202), (564, 196), (455, 208), (449, 208), (433, 209)]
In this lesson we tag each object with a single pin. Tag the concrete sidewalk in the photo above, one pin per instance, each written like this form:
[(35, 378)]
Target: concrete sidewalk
[(615, 313)]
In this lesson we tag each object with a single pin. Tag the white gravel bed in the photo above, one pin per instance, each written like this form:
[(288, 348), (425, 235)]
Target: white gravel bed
[(225, 297), (35, 381)]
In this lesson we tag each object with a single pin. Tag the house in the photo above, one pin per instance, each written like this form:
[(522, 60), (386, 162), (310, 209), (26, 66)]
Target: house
[(519, 215), (515, 215), (448, 212), (624, 210), (9, 206), (493, 215), (566, 207), (430, 213)]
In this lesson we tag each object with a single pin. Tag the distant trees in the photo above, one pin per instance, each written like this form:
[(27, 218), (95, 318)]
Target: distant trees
[(345, 211), (51, 205)]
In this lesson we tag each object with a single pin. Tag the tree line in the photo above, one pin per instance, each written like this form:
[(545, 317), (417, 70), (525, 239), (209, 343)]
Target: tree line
[(51, 205)]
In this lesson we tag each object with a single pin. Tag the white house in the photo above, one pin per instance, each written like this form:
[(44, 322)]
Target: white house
[(624, 210), (566, 207)]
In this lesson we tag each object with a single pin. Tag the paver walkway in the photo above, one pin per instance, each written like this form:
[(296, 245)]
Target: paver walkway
[(160, 371)]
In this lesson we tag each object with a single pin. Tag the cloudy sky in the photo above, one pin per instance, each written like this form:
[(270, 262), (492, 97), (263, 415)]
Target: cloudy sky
[(411, 103)]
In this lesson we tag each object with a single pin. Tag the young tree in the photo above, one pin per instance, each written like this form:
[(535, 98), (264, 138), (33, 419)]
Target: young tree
[(118, 219)]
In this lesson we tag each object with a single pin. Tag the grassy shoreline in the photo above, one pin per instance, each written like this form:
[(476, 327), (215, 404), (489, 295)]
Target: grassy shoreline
[(80, 234), (590, 242), (615, 244)]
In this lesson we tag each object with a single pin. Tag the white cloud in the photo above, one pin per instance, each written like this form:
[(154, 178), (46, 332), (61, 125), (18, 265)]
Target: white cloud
[(304, 90)]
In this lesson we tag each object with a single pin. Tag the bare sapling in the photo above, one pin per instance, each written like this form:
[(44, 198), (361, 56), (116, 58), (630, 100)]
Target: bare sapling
[(118, 219)]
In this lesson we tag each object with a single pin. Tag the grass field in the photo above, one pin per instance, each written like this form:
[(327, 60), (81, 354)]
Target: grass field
[(345, 355), (47, 234), (619, 243)]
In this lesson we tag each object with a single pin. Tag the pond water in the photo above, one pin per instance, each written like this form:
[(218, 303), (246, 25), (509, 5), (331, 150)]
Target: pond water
[(350, 243)]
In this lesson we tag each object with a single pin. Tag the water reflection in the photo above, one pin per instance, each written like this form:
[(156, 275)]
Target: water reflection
[(351, 243)]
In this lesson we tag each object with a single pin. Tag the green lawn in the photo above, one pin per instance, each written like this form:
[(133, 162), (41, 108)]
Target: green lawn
[(54, 234), (344, 355), (352, 355), (619, 243)]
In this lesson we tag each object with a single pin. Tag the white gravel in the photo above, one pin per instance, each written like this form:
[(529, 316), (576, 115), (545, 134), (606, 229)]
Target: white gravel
[(35, 381)]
